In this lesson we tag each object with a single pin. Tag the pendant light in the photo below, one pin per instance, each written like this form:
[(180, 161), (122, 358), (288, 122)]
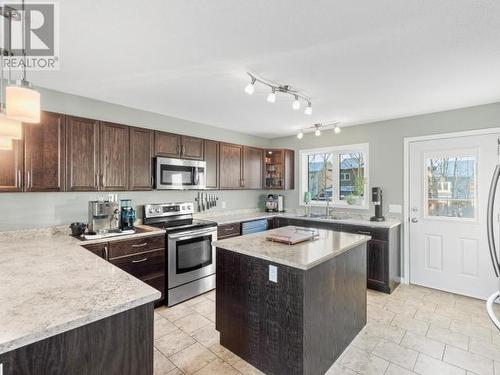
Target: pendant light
[(8, 128), (22, 101)]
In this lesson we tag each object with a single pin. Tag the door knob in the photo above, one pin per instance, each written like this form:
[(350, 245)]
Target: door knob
[(414, 220)]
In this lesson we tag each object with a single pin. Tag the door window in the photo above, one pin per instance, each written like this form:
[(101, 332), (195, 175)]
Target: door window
[(451, 186), (193, 254)]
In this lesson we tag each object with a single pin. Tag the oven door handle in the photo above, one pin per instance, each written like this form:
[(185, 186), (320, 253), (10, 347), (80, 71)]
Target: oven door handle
[(191, 234)]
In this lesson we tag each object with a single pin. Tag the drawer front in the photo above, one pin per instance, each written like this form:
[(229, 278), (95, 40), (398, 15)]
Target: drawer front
[(142, 265), (375, 233), (99, 249), (138, 245), (228, 230)]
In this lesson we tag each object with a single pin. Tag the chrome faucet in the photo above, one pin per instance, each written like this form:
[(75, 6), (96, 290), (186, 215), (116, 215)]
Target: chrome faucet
[(328, 201)]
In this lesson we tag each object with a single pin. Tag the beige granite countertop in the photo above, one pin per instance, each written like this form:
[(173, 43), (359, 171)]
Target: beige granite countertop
[(227, 217), (304, 255), (49, 284)]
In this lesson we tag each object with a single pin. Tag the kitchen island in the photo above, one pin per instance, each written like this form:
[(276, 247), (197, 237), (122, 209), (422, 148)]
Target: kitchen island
[(66, 311), (291, 309)]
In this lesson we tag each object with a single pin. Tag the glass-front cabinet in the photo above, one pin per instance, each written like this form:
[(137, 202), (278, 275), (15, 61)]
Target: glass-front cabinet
[(279, 169)]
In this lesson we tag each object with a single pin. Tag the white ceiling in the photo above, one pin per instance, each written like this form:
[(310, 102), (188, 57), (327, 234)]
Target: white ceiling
[(359, 60)]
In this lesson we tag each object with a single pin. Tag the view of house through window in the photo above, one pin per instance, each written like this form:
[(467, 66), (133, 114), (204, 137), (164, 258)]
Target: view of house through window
[(337, 174), (451, 186)]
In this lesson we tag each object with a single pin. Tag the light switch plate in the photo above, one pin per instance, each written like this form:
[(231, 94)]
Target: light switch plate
[(395, 209), (273, 274)]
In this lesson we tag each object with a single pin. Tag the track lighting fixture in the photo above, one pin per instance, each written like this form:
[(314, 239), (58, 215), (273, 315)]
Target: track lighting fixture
[(271, 97), (309, 110), (284, 89), (317, 129), (250, 88)]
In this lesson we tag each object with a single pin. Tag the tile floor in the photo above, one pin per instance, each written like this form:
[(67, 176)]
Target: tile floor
[(414, 330)]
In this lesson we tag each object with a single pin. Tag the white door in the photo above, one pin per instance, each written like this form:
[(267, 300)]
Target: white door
[(449, 185)]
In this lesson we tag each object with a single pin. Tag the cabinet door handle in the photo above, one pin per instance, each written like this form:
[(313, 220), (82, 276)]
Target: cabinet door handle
[(28, 179), (140, 245), (364, 232), (18, 179), (105, 252), (183, 150), (140, 260), (152, 182)]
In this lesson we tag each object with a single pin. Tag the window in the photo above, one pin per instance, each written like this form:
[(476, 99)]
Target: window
[(451, 186), (339, 174)]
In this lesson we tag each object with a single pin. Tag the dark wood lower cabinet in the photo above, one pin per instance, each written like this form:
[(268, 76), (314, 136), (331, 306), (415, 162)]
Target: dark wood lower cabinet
[(11, 168), (120, 344)]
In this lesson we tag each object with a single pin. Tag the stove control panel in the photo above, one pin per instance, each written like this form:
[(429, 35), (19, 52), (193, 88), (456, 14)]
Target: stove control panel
[(168, 209)]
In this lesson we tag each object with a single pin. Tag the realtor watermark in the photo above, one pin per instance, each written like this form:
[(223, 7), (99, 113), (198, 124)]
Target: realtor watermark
[(34, 43)]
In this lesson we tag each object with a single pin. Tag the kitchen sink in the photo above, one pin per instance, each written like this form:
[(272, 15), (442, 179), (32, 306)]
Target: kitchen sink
[(325, 217)]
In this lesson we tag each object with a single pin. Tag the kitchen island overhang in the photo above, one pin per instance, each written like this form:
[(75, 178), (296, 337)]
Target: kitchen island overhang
[(301, 322)]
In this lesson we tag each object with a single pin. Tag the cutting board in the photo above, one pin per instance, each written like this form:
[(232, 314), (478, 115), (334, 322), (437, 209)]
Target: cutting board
[(292, 236)]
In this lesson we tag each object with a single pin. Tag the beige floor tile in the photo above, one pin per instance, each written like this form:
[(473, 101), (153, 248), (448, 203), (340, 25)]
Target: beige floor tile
[(218, 367), (192, 358), (424, 345), (453, 313), (379, 314), (485, 348), (339, 370), (397, 354), (471, 329), (429, 366), (447, 336), (366, 341), (224, 353), (210, 295), (377, 298), (175, 371), (384, 331), (205, 308), (162, 366), (246, 368), (417, 326), (207, 336), (363, 362), (173, 342), (435, 319), (162, 327), (401, 308), (157, 315), (396, 370), (469, 361), (176, 312), (191, 322)]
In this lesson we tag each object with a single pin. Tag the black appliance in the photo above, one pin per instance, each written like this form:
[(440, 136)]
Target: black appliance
[(377, 202), (127, 215), (190, 255)]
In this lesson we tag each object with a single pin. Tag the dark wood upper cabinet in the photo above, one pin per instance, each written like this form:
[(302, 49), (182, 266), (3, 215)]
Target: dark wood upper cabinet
[(167, 144), (289, 162), (141, 152), (81, 154), (44, 153), (212, 160), (192, 148), (11, 167), (279, 169), (113, 156), (252, 167), (230, 166)]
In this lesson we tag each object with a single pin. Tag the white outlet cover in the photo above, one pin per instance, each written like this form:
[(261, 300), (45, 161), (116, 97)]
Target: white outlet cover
[(395, 208), (273, 274)]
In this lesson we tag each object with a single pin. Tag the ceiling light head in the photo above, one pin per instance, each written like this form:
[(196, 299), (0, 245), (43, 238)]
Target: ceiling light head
[(22, 102), (296, 103), (337, 129), (250, 88), (300, 134), (317, 131), (271, 97), (309, 109)]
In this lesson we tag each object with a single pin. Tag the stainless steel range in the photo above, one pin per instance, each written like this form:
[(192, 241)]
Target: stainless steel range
[(190, 255)]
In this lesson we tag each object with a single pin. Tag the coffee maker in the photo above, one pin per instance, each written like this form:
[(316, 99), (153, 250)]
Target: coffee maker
[(104, 217), (272, 203), (127, 215), (377, 202)]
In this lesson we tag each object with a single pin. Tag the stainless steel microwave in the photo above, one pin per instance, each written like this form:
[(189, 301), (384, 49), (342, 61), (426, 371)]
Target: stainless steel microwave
[(179, 174)]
